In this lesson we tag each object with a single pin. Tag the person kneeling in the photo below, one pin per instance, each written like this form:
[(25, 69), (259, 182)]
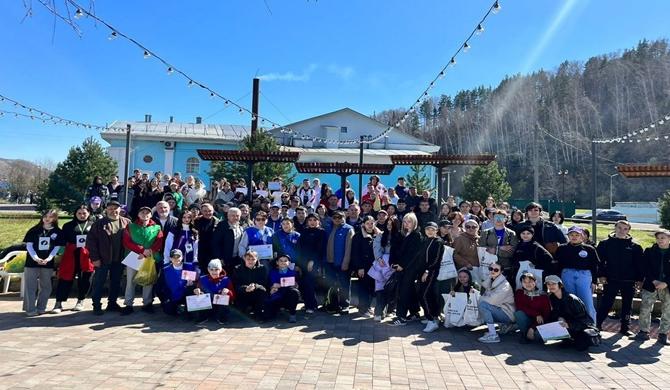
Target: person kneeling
[(532, 308), (250, 278), (571, 312), (216, 283), (496, 304), (284, 291), (176, 284)]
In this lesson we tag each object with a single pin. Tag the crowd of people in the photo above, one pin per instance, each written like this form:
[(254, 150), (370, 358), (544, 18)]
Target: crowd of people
[(201, 252)]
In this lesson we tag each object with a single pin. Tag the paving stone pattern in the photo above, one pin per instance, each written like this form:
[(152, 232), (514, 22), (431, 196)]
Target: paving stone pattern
[(147, 351)]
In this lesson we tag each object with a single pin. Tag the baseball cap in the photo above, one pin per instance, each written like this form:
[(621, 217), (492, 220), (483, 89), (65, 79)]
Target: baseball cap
[(175, 253), (431, 225), (113, 203), (144, 208), (662, 231), (553, 279), (576, 229), (96, 199)]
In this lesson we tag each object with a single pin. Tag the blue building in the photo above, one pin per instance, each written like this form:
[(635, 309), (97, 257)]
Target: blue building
[(172, 147)]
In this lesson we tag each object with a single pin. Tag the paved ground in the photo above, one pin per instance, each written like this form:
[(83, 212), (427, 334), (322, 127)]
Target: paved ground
[(79, 350)]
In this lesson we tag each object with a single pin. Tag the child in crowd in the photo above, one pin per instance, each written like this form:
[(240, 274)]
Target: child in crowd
[(216, 283), (284, 291), (176, 284)]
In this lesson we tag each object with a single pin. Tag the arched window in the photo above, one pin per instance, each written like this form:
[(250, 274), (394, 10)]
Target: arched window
[(192, 165)]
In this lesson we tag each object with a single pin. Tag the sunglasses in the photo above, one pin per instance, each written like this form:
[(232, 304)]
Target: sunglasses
[(493, 269), (471, 227)]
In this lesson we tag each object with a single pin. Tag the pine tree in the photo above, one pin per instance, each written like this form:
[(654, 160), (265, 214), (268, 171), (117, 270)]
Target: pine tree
[(67, 184), (664, 209), (485, 181), (261, 142), (419, 179)]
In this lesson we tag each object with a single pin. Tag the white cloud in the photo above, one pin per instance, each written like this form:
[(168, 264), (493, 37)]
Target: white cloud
[(290, 76), (343, 72)]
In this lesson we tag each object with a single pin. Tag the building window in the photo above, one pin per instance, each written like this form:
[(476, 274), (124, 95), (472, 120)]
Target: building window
[(147, 159), (343, 129), (192, 165)]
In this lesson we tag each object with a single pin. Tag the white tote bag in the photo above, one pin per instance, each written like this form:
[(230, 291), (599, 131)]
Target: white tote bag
[(527, 266), (454, 308), (447, 265), (485, 260), (471, 314)]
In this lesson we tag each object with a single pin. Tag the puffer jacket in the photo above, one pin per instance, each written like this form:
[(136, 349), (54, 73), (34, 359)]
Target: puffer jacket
[(620, 258), (465, 251), (498, 292)]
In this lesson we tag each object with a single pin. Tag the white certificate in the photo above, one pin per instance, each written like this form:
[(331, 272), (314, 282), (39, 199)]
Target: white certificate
[(553, 331), (241, 190), (264, 251), (262, 193), (198, 302), (221, 299), (287, 281), (188, 275), (274, 186), (132, 261)]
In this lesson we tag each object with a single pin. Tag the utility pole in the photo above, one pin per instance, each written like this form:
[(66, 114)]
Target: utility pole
[(611, 179), (254, 128), (536, 167), (594, 178), (126, 167), (360, 175)]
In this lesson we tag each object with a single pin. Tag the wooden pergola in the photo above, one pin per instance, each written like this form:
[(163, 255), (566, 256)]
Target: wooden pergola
[(644, 170), (443, 161), (248, 157), (344, 170)]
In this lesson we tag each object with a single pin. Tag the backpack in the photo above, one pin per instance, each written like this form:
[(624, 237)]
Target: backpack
[(332, 301)]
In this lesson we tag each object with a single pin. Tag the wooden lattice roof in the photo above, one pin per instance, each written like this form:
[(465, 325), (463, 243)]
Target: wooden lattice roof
[(247, 156), (444, 160), (344, 168), (644, 170)]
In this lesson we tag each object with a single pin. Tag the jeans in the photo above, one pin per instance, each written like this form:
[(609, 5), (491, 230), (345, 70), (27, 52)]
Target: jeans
[(493, 314), (286, 297), (337, 277), (612, 288), (647, 306), (37, 288), (115, 270), (578, 282)]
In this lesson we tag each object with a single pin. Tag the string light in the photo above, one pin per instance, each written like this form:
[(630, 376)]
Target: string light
[(634, 133), (452, 62), (78, 13), (466, 47), (146, 54), (190, 83), (113, 36), (480, 29), (496, 7), (170, 70)]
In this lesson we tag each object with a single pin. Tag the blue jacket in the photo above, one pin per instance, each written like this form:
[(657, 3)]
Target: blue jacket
[(286, 244), (212, 286), (340, 238), (257, 237), (174, 284)]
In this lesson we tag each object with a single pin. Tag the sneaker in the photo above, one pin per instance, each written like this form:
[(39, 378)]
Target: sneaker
[(425, 321), (32, 314), (309, 311), (127, 310), (57, 308), (626, 331), (413, 317), (642, 336), (662, 339), (506, 328), (448, 325), (202, 323), (431, 326), (40, 312), (79, 306), (97, 310), (113, 307), (399, 322), (378, 318), (489, 338), (292, 319), (148, 309)]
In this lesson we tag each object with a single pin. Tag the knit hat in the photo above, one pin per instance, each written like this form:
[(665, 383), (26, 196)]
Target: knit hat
[(526, 228), (553, 279), (431, 225)]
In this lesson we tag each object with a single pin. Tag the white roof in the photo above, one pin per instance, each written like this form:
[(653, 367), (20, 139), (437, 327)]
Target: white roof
[(179, 131), (356, 151)]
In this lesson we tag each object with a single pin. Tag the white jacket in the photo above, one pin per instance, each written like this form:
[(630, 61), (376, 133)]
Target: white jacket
[(499, 293)]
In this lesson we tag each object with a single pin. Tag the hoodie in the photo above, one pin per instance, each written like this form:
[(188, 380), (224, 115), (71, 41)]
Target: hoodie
[(620, 258)]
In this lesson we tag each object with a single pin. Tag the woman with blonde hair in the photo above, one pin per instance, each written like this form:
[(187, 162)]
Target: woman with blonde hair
[(404, 261)]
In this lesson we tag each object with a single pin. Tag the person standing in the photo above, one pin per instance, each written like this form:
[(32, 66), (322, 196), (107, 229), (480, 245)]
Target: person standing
[(256, 236), (407, 263), (338, 255), (620, 261), (43, 241), (105, 249), (501, 241), (546, 233), (145, 238), (205, 225), (362, 258), (226, 239), (311, 243), (656, 270), (431, 257)]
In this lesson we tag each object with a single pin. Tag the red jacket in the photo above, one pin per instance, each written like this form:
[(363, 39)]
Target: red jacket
[(533, 306), (66, 267), (128, 243)]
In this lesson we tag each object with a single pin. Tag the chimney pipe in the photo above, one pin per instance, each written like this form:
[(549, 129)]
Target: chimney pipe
[(254, 105), (198, 120), (147, 118)]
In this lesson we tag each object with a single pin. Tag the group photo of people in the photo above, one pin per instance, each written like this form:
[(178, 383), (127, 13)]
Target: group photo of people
[(393, 255)]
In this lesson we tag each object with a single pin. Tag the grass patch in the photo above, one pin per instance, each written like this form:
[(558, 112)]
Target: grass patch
[(642, 237), (12, 230)]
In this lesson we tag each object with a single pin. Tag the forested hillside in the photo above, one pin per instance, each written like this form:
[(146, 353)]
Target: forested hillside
[(607, 96)]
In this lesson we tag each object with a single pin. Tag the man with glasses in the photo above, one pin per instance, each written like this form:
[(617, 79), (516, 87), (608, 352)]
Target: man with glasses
[(546, 233), (501, 241), (338, 255), (465, 246), (226, 239), (258, 238)]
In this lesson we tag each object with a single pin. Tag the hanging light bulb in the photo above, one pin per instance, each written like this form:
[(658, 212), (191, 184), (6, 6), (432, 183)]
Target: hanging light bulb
[(170, 70), (211, 95), (113, 36), (147, 54), (452, 62), (190, 83), (78, 13), (652, 125), (253, 118), (496, 7), (661, 122), (480, 29), (441, 75), (466, 47), (241, 111), (227, 102)]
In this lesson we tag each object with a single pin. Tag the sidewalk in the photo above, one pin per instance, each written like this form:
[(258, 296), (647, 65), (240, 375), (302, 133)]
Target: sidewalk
[(79, 350)]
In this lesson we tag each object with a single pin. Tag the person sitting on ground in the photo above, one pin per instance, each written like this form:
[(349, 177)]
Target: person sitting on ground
[(215, 283), (284, 291), (249, 281), (496, 304), (465, 284), (571, 312), (175, 287), (532, 307)]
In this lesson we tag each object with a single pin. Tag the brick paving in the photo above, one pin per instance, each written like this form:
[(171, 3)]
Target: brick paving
[(142, 351)]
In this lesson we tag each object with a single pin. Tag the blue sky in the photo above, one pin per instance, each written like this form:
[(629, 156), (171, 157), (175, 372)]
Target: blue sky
[(314, 56)]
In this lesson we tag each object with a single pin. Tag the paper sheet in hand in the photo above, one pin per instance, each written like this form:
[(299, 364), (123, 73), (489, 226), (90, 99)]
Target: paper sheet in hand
[(132, 261), (188, 275), (198, 302), (262, 193), (274, 186), (553, 331), (241, 190), (288, 281), (264, 251), (221, 299)]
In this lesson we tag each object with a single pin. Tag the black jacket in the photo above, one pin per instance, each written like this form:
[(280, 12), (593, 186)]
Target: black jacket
[(312, 244), (433, 249), (244, 276), (656, 267), (545, 231), (533, 252), (426, 217), (572, 310), (223, 240), (362, 252), (620, 259), (409, 248), (205, 228), (579, 257), (170, 225)]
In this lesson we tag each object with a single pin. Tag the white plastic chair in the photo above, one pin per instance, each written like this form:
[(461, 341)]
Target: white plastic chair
[(7, 276)]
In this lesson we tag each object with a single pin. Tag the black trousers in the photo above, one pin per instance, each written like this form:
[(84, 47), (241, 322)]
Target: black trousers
[(428, 297), (286, 297), (612, 288), (256, 299), (408, 299), (83, 283), (365, 290)]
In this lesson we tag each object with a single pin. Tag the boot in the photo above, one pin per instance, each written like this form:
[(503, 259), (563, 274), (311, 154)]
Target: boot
[(57, 308)]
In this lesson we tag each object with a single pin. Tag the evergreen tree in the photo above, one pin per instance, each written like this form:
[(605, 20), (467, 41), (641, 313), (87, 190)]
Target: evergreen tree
[(261, 142), (67, 184), (419, 179), (485, 181), (664, 209)]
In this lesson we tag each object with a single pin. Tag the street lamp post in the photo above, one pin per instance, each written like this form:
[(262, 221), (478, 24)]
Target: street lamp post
[(563, 173), (449, 172), (611, 180)]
